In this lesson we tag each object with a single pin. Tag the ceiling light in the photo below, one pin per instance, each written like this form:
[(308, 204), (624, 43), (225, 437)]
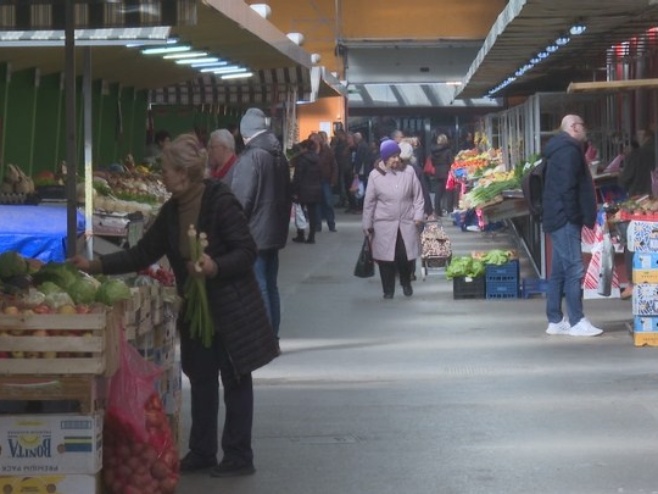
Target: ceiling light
[(228, 70), (238, 76), (188, 54), (562, 40), (262, 9), (552, 48), (166, 49), (453, 83), (209, 64), (297, 38), (190, 61), (543, 55), (577, 29), (535, 60)]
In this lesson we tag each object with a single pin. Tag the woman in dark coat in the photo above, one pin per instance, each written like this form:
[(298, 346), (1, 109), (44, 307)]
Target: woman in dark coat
[(442, 160), (243, 338), (307, 187)]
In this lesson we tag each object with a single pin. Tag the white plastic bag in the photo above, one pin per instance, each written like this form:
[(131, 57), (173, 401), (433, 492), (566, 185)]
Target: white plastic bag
[(300, 217)]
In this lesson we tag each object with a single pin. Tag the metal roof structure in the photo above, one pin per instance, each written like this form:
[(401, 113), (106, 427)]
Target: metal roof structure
[(526, 28)]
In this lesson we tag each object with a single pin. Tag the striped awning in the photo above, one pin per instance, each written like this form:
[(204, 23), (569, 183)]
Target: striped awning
[(27, 15), (264, 87)]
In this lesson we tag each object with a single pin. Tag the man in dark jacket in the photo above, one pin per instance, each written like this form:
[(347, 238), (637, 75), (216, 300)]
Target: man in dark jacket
[(261, 182), (568, 204)]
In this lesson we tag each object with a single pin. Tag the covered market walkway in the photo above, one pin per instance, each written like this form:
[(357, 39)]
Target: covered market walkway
[(433, 396)]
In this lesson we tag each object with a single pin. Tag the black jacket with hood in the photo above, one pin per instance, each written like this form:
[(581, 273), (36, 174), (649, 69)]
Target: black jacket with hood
[(569, 195), (442, 160)]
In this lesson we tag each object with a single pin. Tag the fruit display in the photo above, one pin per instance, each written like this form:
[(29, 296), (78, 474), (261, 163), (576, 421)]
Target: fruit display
[(128, 192), (642, 208), (472, 160)]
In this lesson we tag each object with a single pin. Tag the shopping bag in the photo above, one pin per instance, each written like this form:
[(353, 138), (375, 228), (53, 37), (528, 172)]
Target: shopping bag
[(139, 450), (300, 217), (365, 266), (428, 168)]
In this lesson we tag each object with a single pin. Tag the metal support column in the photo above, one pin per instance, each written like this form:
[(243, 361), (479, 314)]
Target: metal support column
[(89, 172), (71, 158)]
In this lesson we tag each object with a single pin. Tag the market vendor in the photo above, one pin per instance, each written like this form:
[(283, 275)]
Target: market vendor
[(242, 339)]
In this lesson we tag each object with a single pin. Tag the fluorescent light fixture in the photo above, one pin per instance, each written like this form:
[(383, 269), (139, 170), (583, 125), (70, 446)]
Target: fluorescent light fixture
[(552, 48), (577, 29), (188, 54), (543, 55), (238, 76), (225, 70), (453, 83), (535, 60), (166, 49), (190, 61), (209, 64), (519, 73), (562, 40)]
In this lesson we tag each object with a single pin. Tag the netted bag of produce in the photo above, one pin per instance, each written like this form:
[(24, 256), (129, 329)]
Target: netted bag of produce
[(139, 453)]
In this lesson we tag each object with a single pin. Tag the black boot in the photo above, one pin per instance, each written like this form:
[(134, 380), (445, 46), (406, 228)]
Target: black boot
[(311, 238), (300, 236)]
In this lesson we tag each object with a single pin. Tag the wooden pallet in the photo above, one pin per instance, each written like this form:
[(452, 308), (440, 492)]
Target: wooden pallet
[(60, 344), (88, 391)]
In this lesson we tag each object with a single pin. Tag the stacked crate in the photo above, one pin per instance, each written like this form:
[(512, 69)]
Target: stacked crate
[(645, 298), (156, 339), (56, 359), (502, 282)]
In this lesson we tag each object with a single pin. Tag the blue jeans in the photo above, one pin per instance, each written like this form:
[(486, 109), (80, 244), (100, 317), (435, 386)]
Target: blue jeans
[(266, 269), (566, 275), (326, 207)]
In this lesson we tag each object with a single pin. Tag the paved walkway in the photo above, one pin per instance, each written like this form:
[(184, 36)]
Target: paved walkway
[(427, 395)]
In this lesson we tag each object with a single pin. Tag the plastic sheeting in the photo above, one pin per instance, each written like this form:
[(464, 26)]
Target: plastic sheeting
[(37, 232)]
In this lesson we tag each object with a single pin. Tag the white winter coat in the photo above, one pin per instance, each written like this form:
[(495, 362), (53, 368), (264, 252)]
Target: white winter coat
[(393, 201)]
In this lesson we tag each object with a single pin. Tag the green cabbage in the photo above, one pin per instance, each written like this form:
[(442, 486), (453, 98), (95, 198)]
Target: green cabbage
[(62, 274), (112, 291), (12, 264), (48, 288), (83, 291)]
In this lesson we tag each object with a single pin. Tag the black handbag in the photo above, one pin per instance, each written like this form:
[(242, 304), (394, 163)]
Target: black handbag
[(365, 266)]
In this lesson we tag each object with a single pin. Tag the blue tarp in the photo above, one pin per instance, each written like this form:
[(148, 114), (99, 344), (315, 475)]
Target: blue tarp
[(38, 232)]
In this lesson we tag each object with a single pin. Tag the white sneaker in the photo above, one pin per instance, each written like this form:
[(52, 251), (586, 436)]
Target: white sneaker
[(584, 328), (558, 328)]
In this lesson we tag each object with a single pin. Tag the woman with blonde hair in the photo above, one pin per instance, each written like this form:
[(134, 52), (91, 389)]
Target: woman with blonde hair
[(243, 338)]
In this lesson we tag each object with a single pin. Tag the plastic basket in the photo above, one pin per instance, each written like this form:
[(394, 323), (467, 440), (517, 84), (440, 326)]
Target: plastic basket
[(505, 272), (468, 288), (533, 286), (502, 289)]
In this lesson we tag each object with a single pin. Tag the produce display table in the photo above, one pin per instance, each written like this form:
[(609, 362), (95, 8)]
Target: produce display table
[(37, 232)]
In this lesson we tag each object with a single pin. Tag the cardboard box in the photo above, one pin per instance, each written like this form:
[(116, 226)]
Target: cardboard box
[(645, 299), (51, 444), (645, 267), (51, 484), (642, 236), (645, 324)]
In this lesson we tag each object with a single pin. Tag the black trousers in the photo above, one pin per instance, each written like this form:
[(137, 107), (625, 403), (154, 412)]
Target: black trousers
[(203, 366), (401, 265), (312, 217), (438, 196)]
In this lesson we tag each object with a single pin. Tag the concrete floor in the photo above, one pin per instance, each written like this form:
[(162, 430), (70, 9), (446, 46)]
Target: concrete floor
[(429, 395)]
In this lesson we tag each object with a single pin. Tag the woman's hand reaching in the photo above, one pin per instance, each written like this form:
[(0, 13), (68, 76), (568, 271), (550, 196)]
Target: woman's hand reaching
[(80, 262)]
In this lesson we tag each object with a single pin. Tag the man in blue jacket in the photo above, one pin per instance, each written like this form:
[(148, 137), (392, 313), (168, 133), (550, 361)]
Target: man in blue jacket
[(568, 203)]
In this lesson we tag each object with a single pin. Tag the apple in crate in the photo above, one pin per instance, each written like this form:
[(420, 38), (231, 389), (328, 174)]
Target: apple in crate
[(11, 310)]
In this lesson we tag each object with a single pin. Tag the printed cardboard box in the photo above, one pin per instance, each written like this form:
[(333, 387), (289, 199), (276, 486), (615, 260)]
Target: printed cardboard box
[(645, 299), (51, 484), (642, 236), (50, 444)]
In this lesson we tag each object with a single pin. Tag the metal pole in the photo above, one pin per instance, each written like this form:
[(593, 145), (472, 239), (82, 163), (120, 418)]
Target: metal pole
[(89, 188), (71, 158)]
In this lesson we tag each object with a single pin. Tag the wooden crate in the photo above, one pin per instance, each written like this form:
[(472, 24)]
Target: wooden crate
[(81, 344), (88, 391)]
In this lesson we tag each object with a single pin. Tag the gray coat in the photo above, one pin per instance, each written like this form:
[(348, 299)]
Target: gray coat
[(393, 201), (261, 182)]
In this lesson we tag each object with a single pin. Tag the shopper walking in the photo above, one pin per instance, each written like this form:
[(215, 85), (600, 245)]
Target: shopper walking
[(329, 169), (243, 339), (442, 160), (568, 203), (307, 187), (392, 213), (261, 182)]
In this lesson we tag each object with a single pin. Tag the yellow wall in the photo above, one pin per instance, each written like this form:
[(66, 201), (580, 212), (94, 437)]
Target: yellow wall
[(324, 110), (384, 19)]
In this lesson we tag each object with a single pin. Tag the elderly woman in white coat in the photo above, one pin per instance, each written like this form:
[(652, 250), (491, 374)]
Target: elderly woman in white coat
[(392, 213)]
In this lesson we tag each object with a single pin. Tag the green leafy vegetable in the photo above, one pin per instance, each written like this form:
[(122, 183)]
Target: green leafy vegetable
[(83, 291), (112, 291), (12, 264), (62, 274)]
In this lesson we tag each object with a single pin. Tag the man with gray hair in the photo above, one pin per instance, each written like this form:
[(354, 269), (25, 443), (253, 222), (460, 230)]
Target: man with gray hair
[(221, 155), (568, 204)]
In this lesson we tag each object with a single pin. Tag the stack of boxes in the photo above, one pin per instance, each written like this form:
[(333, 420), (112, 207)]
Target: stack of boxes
[(51, 407), (156, 339), (643, 240)]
